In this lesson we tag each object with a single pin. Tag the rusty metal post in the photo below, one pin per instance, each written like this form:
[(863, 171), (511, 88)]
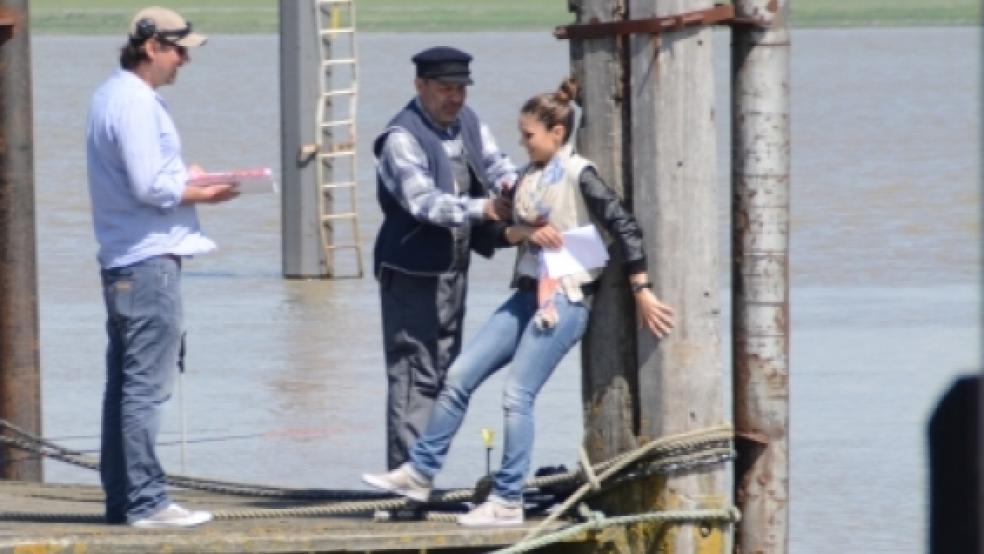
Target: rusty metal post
[(674, 180), (20, 375), (760, 273)]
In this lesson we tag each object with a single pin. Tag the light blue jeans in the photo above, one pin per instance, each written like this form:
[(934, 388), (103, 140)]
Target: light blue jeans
[(143, 304), (509, 335)]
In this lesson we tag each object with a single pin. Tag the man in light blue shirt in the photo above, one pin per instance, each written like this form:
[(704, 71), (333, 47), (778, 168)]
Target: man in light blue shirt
[(144, 217)]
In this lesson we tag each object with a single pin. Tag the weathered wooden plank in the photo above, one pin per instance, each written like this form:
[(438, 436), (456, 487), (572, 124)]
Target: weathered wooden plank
[(354, 533)]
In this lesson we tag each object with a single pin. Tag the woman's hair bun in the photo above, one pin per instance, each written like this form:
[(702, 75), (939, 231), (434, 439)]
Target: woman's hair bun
[(567, 91)]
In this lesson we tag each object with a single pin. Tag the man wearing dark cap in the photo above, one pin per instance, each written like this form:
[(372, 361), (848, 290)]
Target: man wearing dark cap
[(440, 177), (145, 222)]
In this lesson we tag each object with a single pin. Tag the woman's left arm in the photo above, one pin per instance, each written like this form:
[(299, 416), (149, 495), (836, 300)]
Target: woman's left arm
[(607, 209), (605, 206)]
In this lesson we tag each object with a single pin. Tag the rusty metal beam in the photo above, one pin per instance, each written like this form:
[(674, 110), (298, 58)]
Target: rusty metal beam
[(20, 375), (720, 14)]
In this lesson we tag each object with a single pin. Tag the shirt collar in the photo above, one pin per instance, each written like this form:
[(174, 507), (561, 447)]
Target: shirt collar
[(133, 80)]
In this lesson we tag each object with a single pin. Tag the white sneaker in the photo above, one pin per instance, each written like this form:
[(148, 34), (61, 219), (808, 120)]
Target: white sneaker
[(173, 517), (494, 512), (382, 515), (403, 480)]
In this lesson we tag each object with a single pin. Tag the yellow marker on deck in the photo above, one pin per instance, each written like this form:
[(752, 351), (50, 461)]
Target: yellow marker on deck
[(487, 436)]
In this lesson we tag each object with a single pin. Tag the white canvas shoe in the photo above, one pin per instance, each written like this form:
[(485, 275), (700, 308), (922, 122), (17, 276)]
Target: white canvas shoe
[(403, 481), (173, 517), (494, 512)]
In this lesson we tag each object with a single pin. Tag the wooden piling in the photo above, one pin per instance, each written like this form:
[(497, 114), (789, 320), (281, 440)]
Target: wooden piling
[(649, 125), (675, 199), (608, 352), (610, 377), (20, 374), (760, 269)]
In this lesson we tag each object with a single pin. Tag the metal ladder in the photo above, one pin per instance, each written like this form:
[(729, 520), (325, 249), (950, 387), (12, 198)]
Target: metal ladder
[(335, 136)]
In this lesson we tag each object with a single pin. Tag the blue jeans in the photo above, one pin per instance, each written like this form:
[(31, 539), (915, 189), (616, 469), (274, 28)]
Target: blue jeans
[(143, 305), (509, 335)]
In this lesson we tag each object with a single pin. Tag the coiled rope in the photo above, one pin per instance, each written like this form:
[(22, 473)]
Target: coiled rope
[(670, 453), (598, 520)]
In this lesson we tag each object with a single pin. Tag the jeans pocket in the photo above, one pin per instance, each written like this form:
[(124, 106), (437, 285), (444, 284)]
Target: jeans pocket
[(119, 294)]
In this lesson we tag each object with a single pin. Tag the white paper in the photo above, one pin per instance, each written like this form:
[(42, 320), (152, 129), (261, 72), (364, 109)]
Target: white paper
[(583, 250), (248, 181), (257, 186)]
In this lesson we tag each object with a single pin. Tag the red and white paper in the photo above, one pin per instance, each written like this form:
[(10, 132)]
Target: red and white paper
[(248, 181)]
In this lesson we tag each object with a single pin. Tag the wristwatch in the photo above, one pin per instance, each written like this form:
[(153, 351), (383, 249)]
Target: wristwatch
[(636, 287)]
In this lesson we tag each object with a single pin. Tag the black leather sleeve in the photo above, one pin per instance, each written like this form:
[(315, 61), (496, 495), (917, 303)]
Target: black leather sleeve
[(487, 236), (607, 209)]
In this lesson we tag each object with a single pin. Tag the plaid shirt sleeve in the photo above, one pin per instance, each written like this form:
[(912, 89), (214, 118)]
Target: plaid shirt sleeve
[(402, 168), (498, 166)]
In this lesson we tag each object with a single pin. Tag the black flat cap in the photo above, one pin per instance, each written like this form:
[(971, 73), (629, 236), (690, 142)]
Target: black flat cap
[(443, 63)]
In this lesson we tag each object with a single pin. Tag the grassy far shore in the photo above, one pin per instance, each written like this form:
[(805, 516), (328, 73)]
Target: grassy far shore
[(260, 16)]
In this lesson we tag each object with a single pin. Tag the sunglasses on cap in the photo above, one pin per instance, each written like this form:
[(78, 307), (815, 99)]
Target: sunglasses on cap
[(176, 35)]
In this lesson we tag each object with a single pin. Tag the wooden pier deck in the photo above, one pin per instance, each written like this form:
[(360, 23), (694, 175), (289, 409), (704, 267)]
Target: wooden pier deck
[(79, 528)]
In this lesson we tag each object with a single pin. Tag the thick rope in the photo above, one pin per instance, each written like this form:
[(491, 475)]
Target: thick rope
[(195, 483), (588, 470), (666, 447), (599, 521), (614, 468), (260, 513), (702, 447)]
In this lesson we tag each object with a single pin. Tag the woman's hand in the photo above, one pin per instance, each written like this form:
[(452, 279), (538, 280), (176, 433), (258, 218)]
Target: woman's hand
[(653, 313), (546, 236)]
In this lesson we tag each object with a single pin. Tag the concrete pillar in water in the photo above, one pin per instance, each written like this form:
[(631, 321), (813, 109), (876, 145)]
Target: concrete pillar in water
[(303, 256)]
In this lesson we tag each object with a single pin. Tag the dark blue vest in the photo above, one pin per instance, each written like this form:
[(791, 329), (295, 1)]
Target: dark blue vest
[(416, 246)]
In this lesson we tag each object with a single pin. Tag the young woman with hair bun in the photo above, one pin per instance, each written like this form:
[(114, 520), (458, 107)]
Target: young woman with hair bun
[(542, 319)]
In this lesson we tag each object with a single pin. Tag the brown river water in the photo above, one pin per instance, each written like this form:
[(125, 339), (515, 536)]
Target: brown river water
[(286, 383)]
